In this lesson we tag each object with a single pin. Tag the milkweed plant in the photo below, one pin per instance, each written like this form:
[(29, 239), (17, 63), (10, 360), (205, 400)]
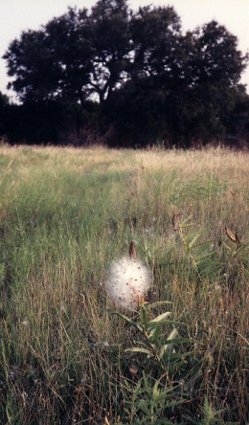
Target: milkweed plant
[(162, 382), (127, 286)]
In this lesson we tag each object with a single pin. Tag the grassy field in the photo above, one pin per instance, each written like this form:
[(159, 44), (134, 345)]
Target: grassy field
[(65, 215)]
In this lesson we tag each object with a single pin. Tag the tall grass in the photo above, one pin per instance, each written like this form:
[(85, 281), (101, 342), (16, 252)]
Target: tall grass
[(65, 214)]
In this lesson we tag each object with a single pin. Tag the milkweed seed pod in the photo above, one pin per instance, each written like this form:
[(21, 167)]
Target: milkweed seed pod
[(232, 236), (176, 222), (128, 281)]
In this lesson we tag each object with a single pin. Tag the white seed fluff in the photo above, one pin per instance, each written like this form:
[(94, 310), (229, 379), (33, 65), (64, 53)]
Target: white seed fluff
[(127, 283)]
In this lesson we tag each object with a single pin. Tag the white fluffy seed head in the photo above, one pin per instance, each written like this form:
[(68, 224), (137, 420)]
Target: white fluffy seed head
[(128, 282)]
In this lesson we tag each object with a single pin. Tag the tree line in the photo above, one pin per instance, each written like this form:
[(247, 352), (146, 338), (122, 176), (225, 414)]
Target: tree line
[(124, 78)]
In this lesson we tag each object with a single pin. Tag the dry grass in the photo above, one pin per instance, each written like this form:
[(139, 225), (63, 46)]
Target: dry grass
[(65, 214)]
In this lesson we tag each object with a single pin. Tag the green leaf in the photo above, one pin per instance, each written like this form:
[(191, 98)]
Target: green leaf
[(204, 256), (138, 350), (185, 221), (203, 244), (128, 320), (159, 318), (168, 342), (172, 334), (191, 243), (158, 303), (168, 345), (154, 333), (143, 317), (241, 247), (228, 248), (183, 226)]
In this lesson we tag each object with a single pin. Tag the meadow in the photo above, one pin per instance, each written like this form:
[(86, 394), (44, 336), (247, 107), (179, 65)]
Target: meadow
[(65, 215)]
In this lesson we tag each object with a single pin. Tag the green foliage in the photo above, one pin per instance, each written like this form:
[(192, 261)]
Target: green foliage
[(148, 399), (153, 346), (146, 402), (201, 255)]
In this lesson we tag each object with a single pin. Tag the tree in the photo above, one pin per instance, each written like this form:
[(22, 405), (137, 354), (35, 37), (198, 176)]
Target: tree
[(217, 57), (111, 46), (147, 79), (183, 87), (75, 56), (213, 70), (53, 62), (4, 104), (156, 35), (139, 106), (71, 48), (30, 63)]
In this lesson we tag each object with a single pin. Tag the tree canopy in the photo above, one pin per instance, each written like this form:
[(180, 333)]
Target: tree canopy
[(147, 79)]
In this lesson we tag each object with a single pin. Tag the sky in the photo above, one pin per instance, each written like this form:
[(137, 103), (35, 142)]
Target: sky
[(19, 15)]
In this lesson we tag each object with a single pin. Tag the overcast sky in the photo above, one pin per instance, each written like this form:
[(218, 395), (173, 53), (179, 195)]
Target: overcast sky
[(19, 15)]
